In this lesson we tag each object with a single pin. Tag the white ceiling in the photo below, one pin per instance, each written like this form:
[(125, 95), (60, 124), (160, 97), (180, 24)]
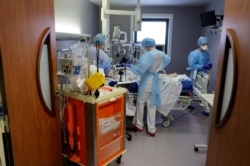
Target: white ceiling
[(133, 3)]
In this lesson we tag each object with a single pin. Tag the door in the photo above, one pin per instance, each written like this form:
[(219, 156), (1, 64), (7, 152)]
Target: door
[(27, 27), (229, 139)]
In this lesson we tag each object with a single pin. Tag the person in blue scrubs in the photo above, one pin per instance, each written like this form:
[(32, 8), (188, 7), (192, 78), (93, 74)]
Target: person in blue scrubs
[(147, 68), (97, 49), (199, 59)]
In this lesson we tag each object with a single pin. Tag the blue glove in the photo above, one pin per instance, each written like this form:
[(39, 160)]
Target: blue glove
[(112, 83), (208, 66), (118, 65), (133, 87), (125, 64)]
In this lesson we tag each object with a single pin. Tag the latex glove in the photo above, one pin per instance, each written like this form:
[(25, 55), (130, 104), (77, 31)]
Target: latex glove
[(119, 65), (130, 78), (133, 87), (112, 83), (208, 66), (125, 64)]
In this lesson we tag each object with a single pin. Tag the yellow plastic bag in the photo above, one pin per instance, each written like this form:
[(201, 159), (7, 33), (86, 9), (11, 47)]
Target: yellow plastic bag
[(95, 81)]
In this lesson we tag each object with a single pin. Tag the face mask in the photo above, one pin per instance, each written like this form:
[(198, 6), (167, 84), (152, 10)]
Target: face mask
[(204, 47)]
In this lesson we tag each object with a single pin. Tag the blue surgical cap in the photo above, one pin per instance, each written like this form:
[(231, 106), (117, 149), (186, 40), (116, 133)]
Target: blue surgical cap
[(148, 42), (100, 38), (202, 40)]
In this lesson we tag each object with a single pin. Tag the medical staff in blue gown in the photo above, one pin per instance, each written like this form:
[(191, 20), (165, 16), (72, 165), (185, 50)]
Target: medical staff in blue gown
[(97, 48), (148, 66), (199, 58)]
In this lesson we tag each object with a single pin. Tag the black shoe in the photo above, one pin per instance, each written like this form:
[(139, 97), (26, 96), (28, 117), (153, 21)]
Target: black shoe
[(190, 107), (205, 113)]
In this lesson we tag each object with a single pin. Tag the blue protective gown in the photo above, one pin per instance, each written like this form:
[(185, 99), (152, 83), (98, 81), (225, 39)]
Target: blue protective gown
[(149, 64), (104, 61), (142, 69), (196, 61)]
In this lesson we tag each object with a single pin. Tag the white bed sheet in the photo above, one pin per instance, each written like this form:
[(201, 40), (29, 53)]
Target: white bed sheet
[(170, 89)]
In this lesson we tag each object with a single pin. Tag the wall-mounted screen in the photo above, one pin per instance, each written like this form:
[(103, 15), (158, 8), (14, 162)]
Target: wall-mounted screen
[(208, 18)]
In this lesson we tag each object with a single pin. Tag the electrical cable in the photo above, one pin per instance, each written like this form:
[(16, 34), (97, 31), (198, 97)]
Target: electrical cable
[(97, 55)]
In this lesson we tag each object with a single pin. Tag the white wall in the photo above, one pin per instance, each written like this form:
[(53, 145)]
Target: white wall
[(77, 16)]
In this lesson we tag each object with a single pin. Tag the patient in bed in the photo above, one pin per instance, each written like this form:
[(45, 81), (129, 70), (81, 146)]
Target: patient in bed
[(170, 87)]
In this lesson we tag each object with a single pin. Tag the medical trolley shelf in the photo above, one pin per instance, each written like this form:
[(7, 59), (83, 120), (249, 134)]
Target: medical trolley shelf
[(95, 127)]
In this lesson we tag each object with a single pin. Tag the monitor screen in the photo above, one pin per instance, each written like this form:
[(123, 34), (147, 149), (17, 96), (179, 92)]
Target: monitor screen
[(208, 18), (160, 47)]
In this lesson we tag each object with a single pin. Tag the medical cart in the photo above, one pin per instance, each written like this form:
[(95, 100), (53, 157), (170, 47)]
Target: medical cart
[(94, 128)]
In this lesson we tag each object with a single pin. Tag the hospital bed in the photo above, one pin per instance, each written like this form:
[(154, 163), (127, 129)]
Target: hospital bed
[(199, 87), (178, 96), (177, 93), (171, 92)]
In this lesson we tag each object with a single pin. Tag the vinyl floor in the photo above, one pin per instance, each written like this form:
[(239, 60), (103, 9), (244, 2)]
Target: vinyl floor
[(173, 145)]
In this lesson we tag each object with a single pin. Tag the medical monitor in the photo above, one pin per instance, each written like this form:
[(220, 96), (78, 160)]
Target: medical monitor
[(123, 37), (208, 18), (160, 47)]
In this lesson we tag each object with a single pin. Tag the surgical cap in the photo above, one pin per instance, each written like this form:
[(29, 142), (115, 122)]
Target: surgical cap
[(100, 38), (148, 42), (202, 40)]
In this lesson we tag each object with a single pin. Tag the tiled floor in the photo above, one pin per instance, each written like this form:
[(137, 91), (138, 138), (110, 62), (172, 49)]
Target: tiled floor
[(172, 146)]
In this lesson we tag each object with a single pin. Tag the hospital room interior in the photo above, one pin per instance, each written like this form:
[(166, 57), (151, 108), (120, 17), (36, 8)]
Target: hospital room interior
[(123, 87), (181, 135)]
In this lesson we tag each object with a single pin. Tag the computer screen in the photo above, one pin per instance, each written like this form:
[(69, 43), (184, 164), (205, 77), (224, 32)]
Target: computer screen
[(160, 47), (208, 18)]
